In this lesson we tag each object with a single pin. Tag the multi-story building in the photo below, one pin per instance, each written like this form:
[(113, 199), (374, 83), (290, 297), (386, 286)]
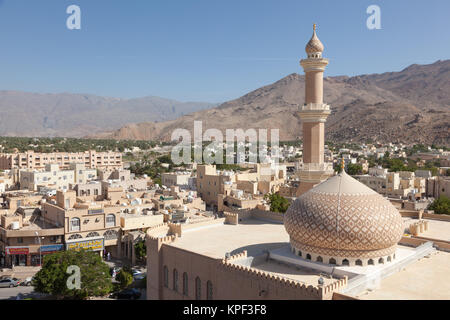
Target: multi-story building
[(169, 179), (34, 160), (52, 177)]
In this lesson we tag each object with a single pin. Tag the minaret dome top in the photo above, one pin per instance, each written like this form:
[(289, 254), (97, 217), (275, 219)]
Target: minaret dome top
[(314, 45)]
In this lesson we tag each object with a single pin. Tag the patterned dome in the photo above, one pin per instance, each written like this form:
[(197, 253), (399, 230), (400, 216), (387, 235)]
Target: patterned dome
[(314, 45), (343, 218)]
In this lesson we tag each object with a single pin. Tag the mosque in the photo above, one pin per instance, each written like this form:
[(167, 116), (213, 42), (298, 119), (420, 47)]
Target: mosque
[(338, 238)]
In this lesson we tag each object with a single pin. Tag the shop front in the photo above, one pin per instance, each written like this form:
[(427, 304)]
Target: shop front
[(43, 251), (93, 244), (18, 256)]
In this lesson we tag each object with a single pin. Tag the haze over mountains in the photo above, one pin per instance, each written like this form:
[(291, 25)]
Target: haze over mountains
[(411, 106), (78, 115)]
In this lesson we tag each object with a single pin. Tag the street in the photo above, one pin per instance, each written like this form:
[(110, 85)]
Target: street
[(11, 293)]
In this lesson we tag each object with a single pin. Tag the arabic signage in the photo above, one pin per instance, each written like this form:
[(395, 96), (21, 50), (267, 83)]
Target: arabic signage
[(93, 244), (52, 248), (17, 250)]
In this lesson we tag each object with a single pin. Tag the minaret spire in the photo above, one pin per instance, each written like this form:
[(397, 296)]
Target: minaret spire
[(314, 114)]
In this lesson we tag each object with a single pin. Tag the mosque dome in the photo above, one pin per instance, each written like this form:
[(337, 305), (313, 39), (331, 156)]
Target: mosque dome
[(314, 45), (341, 221)]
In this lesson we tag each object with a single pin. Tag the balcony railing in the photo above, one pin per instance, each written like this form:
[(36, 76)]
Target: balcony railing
[(316, 166), (315, 106)]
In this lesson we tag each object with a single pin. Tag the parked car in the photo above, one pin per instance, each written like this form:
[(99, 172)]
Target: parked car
[(139, 275), (27, 282), (9, 283), (129, 294)]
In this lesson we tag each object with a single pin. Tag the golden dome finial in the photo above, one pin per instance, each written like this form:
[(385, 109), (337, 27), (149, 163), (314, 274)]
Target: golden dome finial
[(314, 26), (343, 165)]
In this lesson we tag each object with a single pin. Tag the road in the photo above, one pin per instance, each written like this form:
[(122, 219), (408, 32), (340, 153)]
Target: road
[(11, 293)]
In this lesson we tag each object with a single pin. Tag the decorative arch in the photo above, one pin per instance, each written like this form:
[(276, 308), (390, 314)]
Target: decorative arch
[(175, 280), (299, 253), (111, 235), (185, 284), (345, 262), (209, 290), (166, 277), (358, 262), (198, 288), (389, 259), (381, 260), (319, 259), (308, 257), (332, 261), (370, 262), (75, 236), (92, 235)]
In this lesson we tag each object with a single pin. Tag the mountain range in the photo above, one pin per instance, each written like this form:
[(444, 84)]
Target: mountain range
[(410, 106), (78, 115)]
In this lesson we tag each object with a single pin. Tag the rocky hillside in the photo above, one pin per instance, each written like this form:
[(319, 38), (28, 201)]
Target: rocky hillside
[(77, 115), (411, 106)]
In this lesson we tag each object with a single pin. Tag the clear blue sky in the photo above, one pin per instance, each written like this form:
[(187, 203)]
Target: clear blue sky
[(206, 50)]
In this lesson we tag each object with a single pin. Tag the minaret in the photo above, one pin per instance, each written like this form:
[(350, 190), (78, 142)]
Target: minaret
[(314, 114)]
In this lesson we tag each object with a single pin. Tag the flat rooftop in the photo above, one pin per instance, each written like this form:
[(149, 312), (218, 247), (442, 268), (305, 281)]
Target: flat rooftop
[(426, 279), (215, 241), (437, 229)]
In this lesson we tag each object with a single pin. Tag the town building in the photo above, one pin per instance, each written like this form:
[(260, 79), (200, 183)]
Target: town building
[(38, 161)]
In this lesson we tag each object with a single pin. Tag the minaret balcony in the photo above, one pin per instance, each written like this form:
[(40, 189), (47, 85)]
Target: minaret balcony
[(314, 172), (315, 106)]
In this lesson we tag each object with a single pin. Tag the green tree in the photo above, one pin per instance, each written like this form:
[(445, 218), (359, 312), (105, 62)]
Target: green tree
[(354, 169), (277, 202), (52, 278), (140, 250), (125, 277), (441, 205)]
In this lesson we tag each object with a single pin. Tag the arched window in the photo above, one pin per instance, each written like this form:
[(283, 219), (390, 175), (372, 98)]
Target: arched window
[(209, 290), (185, 284), (110, 235), (198, 288), (370, 262), (92, 235), (358, 262), (381, 260), (75, 236), (345, 262), (166, 277), (332, 261), (389, 259), (175, 280), (110, 220), (299, 253), (319, 259), (74, 224), (308, 257)]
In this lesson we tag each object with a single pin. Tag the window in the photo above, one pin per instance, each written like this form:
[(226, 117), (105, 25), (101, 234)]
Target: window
[(110, 220), (166, 277), (75, 236), (185, 284), (319, 259), (198, 288), (308, 257), (209, 290), (370, 262), (175, 280), (19, 240), (110, 235), (358, 262), (332, 261), (92, 235), (345, 262), (75, 224)]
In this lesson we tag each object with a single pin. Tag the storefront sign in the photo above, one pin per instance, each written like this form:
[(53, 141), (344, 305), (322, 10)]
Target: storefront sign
[(17, 250), (52, 248), (94, 244)]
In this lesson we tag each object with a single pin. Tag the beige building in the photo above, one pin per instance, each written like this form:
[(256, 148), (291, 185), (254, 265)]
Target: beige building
[(169, 179), (437, 186), (38, 161), (258, 179)]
